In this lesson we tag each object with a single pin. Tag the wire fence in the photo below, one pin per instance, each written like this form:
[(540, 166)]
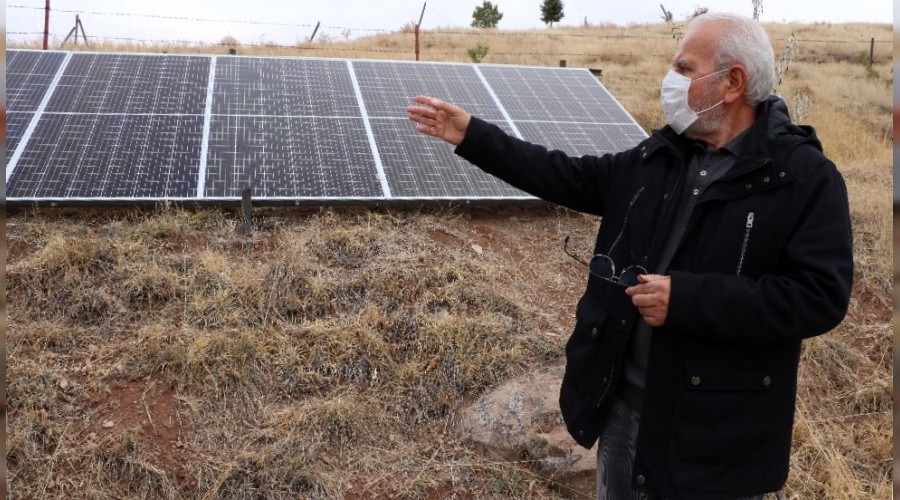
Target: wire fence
[(345, 33)]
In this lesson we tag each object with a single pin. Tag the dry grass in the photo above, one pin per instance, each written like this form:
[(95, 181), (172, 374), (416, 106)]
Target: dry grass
[(161, 354)]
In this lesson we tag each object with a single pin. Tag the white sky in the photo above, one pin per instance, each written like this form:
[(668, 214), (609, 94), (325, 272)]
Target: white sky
[(261, 18)]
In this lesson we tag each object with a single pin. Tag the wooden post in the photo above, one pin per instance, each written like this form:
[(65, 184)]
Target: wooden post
[(562, 63), (315, 31), (417, 42), (871, 52), (46, 24)]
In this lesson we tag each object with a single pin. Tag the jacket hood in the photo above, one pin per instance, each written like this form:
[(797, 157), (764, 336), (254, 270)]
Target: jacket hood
[(773, 124), (779, 125)]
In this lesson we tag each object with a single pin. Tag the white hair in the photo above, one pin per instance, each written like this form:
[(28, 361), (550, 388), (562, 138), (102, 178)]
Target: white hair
[(744, 42)]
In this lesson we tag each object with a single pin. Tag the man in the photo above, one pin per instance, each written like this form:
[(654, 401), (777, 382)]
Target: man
[(725, 241)]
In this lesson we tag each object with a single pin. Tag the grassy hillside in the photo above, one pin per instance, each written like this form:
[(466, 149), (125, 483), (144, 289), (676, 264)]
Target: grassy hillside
[(164, 354)]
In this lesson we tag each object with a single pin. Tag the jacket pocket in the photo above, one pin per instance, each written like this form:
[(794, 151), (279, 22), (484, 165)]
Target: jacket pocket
[(724, 415), (588, 355)]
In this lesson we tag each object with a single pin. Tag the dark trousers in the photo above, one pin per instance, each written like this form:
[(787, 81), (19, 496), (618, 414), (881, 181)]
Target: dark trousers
[(615, 458)]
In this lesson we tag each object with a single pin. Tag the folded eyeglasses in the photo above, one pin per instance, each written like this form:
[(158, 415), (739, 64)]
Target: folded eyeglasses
[(604, 268)]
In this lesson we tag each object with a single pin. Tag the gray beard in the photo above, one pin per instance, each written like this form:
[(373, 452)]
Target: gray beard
[(707, 123)]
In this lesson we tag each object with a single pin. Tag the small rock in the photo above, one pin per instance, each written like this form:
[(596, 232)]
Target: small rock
[(108, 424), (522, 417), (477, 249)]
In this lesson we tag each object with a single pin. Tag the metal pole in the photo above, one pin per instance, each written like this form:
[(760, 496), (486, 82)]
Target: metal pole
[(417, 28), (46, 24), (423, 13), (315, 30), (81, 27), (247, 209)]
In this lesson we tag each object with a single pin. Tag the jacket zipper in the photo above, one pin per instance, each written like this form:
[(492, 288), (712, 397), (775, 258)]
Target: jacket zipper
[(749, 226)]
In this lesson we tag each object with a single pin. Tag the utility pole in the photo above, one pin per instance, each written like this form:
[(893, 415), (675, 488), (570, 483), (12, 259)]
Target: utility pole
[(417, 28), (46, 24)]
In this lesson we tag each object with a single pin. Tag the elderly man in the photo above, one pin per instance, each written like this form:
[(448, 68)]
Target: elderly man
[(725, 241)]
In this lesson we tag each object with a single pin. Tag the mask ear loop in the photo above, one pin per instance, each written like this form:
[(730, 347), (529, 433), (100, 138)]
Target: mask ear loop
[(707, 76)]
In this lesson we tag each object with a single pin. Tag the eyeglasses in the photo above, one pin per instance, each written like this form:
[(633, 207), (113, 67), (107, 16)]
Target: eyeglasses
[(604, 268)]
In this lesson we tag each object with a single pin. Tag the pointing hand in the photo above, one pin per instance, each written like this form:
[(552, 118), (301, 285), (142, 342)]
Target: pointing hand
[(440, 119)]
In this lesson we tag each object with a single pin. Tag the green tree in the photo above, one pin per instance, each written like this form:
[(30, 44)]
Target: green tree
[(551, 12), (486, 16)]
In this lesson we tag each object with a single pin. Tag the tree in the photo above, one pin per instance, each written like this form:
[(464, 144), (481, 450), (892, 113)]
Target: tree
[(486, 16), (551, 11)]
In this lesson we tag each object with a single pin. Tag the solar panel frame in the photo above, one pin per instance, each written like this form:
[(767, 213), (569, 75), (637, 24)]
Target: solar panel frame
[(248, 95)]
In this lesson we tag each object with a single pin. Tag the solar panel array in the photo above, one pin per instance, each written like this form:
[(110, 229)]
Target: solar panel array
[(110, 127)]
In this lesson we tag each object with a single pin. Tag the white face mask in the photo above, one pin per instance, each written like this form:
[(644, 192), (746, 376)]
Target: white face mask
[(674, 100)]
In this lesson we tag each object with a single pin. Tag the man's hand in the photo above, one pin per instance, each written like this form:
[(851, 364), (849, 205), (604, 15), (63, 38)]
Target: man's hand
[(651, 297), (439, 119)]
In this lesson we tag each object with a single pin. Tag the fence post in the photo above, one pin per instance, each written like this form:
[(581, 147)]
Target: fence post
[(562, 63), (46, 24), (871, 52)]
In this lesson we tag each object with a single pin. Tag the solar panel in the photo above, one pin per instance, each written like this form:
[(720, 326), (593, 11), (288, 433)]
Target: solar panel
[(283, 87), (132, 84), (128, 128), (28, 75), (415, 165), (110, 157), (283, 157)]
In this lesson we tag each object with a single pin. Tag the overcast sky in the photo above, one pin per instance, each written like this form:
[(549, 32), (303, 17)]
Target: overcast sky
[(287, 22)]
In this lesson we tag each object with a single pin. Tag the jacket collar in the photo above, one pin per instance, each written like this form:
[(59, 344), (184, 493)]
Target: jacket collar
[(772, 121)]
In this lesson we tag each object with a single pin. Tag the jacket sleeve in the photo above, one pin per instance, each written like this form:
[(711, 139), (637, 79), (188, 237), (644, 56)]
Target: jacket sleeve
[(576, 183), (808, 296)]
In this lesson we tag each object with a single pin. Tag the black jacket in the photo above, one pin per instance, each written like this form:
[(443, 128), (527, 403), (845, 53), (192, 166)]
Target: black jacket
[(766, 261)]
